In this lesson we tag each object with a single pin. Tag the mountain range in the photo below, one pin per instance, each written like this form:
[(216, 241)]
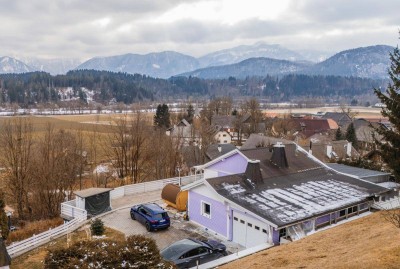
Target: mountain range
[(259, 59)]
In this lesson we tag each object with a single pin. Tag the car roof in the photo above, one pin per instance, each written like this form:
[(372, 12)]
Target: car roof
[(175, 250), (154, 208)]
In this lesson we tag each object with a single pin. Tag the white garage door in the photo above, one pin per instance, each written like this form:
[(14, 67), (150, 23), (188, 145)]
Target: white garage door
[(249, 232)]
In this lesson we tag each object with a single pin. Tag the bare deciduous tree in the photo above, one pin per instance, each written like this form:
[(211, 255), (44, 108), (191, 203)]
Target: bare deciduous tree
[(58, 163), (16, 141), (126, 146)]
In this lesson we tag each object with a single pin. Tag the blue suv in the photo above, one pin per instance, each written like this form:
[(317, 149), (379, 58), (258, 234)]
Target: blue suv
[(151, 215)]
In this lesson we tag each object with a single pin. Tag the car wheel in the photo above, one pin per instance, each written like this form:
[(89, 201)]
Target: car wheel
[(148, 228), (133, 216)]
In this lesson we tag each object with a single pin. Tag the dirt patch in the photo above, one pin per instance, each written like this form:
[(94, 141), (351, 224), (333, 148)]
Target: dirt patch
[(369, 242)]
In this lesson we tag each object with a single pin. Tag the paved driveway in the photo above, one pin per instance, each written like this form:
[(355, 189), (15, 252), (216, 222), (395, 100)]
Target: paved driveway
[(120, 220)]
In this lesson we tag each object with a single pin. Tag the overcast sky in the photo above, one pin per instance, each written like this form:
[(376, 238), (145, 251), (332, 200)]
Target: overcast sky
[(88, 28)]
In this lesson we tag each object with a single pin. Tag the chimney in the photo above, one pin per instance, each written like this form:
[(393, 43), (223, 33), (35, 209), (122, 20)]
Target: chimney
[(219, 148), (348, 149), (329, 151), (279, 155), (253, 173)]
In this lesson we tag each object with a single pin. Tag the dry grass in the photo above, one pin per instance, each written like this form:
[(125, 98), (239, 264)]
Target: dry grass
[(34, 259), (369, 242), (32, 228)]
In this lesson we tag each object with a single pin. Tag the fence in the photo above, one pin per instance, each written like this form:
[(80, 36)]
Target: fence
[(18, 248), (70, 211), (151, 186), (78, 216)]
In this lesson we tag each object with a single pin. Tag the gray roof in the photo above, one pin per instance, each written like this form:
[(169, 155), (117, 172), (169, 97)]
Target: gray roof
[(341, 118), (213, 151), (256, 140), (356, 171), (290, 198), (91, 191)]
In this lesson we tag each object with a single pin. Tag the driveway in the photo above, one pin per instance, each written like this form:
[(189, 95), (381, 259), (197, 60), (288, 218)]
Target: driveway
[(120, 220)]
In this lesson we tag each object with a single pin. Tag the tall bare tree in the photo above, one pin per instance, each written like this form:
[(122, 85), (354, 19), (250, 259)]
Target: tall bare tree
[(127, 146), (58, 162), (16, 141)]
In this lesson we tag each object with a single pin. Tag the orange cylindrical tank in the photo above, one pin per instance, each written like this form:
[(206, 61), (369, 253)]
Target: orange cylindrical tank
[(173, 196)]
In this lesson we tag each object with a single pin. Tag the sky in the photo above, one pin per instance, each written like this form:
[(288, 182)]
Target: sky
[(85, 29)]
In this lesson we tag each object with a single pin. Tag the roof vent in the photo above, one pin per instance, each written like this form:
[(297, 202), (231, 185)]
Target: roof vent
[(219, 148), (279, 155), (253, 173)]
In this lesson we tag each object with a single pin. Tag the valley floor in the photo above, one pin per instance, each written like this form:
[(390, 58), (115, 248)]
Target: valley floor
[(369, 242)]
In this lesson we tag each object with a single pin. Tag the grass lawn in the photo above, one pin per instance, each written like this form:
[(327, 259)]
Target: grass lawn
[(368, 242)]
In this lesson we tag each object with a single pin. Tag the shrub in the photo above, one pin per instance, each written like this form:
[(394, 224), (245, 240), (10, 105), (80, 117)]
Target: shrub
[(28, 229), (97, 227), (136, 252)]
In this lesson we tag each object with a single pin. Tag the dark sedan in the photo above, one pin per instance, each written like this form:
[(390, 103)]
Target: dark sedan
[(187, 253), (151, 215)]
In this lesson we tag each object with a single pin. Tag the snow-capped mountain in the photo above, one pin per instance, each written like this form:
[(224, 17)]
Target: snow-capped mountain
[(366, 62), (240, 53), (250, 67), (56, 66), (11, 65), (162, 64)]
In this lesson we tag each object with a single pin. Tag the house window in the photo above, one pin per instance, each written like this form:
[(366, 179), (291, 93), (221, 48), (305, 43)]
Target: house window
[(249, 224), (342, 213), (352, 209), (257, 228), (282, 232), (235, 218), (206, 209)]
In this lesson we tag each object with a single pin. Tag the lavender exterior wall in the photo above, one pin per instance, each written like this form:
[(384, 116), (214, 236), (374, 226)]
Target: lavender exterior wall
[(322, 219), (275, 237), (363, 206), (234, 164), (218, 220)]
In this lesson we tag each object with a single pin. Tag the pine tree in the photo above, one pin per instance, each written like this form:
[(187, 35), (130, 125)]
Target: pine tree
[(338, 134), (389, 142), (190, 113), (97, 227), (162, 116), (351, 135)]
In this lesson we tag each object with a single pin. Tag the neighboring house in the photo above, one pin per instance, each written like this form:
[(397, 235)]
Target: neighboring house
[(342, 119), (184, 131), (365, 132), (268, 195), (236, 127), (223, 137), (309, 127), (332, 151), (216, 150), (257, 141)]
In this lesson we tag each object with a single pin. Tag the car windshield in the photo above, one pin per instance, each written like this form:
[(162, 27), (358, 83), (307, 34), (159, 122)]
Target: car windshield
[(160, 216), (178, 248)]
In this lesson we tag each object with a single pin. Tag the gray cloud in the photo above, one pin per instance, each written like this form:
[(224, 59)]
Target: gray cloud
[(85, 29)]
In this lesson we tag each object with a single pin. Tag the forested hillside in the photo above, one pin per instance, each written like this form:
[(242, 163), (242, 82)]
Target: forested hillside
[(104, 86)]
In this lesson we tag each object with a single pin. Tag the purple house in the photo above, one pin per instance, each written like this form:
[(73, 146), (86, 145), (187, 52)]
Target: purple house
[(264, 195)]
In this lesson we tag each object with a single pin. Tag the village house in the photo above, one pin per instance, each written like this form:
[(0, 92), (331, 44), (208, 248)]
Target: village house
[(273, 194)]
